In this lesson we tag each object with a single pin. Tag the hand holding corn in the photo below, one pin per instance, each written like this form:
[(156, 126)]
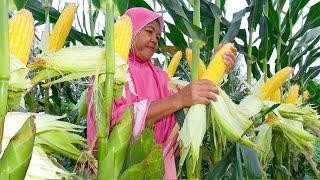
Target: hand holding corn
[(229, 57), (197, 92)]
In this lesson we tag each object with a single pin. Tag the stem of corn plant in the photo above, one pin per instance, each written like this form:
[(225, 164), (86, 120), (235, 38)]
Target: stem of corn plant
[(265, 60), (5, 64), (194, 76), (91, 19), (249, 60), (46, 5), (108, 88), (195, 42), (217, 20)]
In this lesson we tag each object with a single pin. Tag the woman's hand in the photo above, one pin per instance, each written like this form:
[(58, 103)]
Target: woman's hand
[(229, 57), (197, 92)]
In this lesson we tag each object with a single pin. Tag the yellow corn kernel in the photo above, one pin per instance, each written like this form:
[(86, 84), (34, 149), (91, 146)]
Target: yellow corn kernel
[(217, 67), (293, 95), (276, 97), (123, 35), (62, 28), (306, 95), (271, 118), (174, 64), (21, 31), (202, 67), (275, 82)]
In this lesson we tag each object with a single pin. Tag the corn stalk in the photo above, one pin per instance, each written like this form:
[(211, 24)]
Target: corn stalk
[(104, 121), (46, 90), (194, 76), (217, 20), (5, 63)]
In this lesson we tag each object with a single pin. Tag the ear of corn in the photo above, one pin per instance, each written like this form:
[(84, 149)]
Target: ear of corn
[(62, 28), (217, 67), (16, 157), (118, 144), (21, 31), (276, 96), (172, 68), (275, 82), (202, 66), (123, 36), (293, 95)]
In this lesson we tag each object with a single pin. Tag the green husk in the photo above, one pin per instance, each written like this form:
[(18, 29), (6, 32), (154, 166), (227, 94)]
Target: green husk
[(16, 157), (150, 168), (140, 149), (192, 132), (118, 144)]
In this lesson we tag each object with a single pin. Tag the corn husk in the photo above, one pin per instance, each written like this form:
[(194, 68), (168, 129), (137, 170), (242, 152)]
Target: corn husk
[(16, 157), (150, 168), (77, 62), (52, 136), (118, 144)]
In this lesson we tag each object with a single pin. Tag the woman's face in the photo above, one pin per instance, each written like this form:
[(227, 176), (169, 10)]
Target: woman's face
[(146, 41)]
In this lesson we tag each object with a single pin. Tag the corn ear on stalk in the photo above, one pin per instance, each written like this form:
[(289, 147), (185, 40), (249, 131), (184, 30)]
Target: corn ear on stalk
[(216, 68), (202, 66), (62, 28), (293, 95), (21, 31), (172, 68), (123, 36), (17, 155), (275, 82), (275, 97), (118, 143)]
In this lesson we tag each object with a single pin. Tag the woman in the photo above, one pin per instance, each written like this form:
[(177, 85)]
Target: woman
[(151, 99)]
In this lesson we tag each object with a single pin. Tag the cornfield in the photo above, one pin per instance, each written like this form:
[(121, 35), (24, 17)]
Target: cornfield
[(265, 123)]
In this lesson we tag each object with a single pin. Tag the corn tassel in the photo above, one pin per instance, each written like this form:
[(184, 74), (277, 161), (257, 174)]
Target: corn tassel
[(21, 30), (202, 67), (174, 64), (62, 28), (217, 67), (275, 82), (293, 95), (123, 35)]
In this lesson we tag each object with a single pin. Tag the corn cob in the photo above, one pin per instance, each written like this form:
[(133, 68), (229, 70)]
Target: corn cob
[(21, 30), (275, 82), (174, 64), (217, 67), (293, 95), (62, 28), (275, 97), (202, 67), (123, 35)]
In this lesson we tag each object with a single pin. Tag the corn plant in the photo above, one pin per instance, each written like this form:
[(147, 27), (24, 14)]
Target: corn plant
[(5, 68)]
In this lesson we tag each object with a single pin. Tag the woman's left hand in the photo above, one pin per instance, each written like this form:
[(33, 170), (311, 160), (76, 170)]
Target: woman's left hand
[(229, 57)]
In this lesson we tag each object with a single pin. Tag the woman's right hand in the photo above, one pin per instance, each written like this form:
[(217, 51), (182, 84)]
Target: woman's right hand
[(197, 92)]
